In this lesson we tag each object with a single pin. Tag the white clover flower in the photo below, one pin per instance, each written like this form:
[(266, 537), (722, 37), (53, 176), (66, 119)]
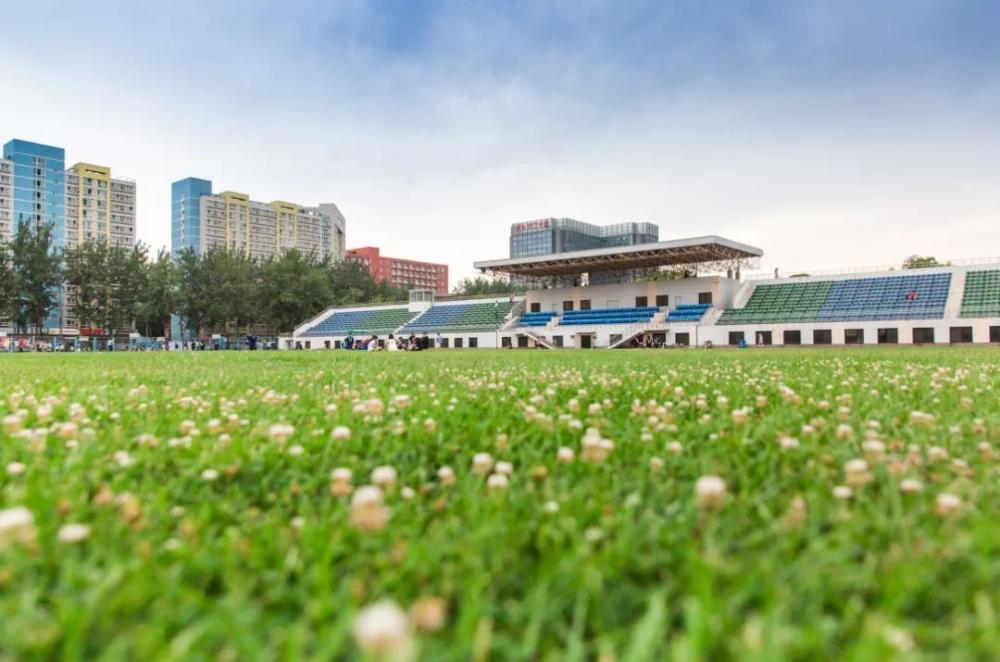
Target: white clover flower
[(844, 432), (296, 450), (551, 507), (17, 525), (874, 450), (910, 486), (948, 504), (505, 468), (407, 493), (482, 463), (367, 511), (497, 482), (565, 455), (741, 416), (382, 631), (15, 468), (675, 447), (341, 433), (209, 475), (341, 474), (937, 454), (122, 458), (656, 463), (789, 443), (279, 433), (430, 425), (710, 492), (384, 476), (12, 425), (856, 472), (842, 492), (446, 475), (593, 534), (73, 533)]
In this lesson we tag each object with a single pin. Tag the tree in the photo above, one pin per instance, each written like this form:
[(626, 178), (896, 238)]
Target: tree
[(87, 279), (7, 282), (293, 288), (158, 298), (480, 285), (126, 280), (192, 301), (37, 266), (921, 262)]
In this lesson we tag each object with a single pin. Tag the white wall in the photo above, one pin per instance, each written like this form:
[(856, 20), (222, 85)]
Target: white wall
[(623, 295)]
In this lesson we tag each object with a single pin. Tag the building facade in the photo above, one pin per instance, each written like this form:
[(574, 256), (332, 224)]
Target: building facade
[(400, 272), (203, 220), (562, 235), (82, 203)]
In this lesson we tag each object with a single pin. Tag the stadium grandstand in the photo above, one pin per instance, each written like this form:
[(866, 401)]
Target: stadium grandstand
[(687, 292)]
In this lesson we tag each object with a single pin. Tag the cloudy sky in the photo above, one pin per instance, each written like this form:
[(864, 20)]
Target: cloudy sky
[(829, 133)]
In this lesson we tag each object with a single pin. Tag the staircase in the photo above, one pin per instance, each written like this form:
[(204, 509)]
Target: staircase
[(956, 291)]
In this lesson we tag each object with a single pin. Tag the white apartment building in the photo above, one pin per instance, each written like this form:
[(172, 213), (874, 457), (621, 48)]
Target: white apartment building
[(204, 220)]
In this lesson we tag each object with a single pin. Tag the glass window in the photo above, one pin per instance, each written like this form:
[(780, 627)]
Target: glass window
[(662, 301), (641, 302), (705, 297), (791, 337), (960, 334), (923, 335), (683, 339), (995, 334), (735, 337), (584, 304), (854, 336), (822, 337), (888, 336)]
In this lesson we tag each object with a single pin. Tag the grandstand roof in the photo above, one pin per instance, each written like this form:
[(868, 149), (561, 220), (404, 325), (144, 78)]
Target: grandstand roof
[(661, 254)]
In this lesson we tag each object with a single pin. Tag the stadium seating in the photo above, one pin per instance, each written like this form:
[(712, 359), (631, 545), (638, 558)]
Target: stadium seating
[(361, 322), (981, 297), (536, 319), (855, 299), (780, 302), (688, 312), (608, 316), (461, 317)]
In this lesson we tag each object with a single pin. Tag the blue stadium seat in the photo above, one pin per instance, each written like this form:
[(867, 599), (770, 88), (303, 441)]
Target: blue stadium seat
[(608, 316), (688, 312)]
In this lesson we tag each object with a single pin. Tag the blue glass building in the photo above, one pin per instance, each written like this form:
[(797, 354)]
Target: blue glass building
[(39, 195), (185, 213)]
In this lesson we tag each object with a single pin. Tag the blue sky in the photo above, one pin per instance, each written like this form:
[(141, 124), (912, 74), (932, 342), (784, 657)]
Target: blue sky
[(827, 133)]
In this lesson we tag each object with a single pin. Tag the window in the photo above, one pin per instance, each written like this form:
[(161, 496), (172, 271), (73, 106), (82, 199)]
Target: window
[(536, 307), (458, 343), (613, 338), (557, 341), (326, 344), (444, 343), (662, 301), (822, 337), (505, 341), (641, 302), (584, 304), (309, 344), (763, 338), (791, 337), (522, 341), (888, 336), (961, 334), (923, 335), (854, 336), (682, 339), (586, 341), (567, 305), (995, 334), (336, 344), (705, 297), (473, 343), (736, 337)]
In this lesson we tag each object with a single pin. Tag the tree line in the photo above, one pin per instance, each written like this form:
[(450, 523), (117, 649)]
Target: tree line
[(114, 289)]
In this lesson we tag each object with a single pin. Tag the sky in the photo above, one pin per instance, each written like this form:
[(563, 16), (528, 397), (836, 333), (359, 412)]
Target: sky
[(828, 133)]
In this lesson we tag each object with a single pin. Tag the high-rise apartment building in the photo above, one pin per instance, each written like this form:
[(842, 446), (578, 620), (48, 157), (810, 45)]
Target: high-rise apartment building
[(99, 207), (203, 220), (83, 203), (400, 272), (563, 235), (39, 186), (6, 200)]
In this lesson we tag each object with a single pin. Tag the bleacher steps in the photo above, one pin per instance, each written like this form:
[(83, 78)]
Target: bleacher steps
[(953, 305)]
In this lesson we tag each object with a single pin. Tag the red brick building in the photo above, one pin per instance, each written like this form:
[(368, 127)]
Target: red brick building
[(400, 272)]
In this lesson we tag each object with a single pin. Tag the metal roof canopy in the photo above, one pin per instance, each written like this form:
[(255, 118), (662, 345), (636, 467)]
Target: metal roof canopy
[(697, 250)]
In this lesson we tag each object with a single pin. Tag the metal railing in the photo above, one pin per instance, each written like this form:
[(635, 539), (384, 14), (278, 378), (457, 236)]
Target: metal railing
[(847, 271)]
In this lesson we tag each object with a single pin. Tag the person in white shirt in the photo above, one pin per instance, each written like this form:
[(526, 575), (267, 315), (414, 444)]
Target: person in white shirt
[(390, 344)]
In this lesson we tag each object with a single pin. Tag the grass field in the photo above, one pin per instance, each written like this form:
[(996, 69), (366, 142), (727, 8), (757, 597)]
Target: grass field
[(856, 513)]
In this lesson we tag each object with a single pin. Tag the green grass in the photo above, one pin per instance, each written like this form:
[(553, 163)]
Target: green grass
[(630, 566)]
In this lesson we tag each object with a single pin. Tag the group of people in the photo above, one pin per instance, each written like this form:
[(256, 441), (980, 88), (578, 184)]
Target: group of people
[(390, 344)]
